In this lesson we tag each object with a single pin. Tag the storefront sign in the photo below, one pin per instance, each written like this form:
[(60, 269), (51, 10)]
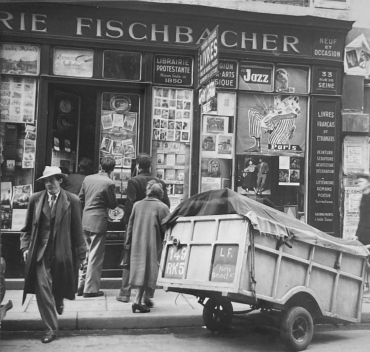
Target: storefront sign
[(74, 63), (328, 46), (326, 80), (19, 59), (173, 70), (323, 206), (255, 76), (227, 74), (208, 58), (131, 26)]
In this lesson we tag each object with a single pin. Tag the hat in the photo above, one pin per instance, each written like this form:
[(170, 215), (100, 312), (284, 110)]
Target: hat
[(51, 171)]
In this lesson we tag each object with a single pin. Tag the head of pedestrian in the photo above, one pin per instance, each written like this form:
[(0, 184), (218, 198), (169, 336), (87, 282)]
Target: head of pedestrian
[(154, 189), (143, 162), (363, 183), (85, 166), (107, 164), (52, 177)]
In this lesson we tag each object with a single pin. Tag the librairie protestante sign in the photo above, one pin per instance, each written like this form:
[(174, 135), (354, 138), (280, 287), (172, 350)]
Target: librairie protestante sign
[(173, 70)]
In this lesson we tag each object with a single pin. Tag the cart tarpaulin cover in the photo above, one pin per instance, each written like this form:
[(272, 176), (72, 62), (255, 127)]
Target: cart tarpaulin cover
[(263, 218)]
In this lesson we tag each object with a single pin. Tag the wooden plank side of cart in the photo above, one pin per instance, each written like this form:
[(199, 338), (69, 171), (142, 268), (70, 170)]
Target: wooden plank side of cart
[(213, 258)]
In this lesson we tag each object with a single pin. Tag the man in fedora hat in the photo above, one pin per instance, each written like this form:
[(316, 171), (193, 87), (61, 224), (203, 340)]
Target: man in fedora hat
[(52, 242)]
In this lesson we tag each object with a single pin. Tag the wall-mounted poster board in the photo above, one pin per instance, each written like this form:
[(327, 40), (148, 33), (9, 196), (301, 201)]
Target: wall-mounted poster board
[(356, 155)]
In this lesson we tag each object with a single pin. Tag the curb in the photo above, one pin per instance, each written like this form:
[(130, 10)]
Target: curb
[(73, 322)]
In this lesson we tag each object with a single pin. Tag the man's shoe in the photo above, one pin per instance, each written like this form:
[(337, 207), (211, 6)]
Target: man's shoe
[(80, 290), (93, 294), (123, 299), (148, 302), (48, 338)]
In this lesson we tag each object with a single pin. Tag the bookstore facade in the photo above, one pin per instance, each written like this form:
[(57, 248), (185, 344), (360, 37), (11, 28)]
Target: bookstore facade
[(80, 81)]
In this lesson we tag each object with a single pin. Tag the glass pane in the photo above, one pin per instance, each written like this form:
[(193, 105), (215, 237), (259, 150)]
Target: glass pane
[(172, 114), (118, 137), (292, 79), (218, 144), (18, 148), (271, 145), (122, 65)]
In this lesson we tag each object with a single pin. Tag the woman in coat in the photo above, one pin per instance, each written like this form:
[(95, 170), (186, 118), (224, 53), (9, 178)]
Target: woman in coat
[(145, 235)]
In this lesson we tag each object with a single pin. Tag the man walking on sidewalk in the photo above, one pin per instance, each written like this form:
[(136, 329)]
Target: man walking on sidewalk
[(136, 191), (52, 241), (96, 195)]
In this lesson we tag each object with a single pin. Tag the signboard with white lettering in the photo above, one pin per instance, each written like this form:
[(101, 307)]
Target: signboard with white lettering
[(323, 193), (224, 263), (328, 46), (255, 76), (227, 74), (326, 80), (173, 70), (208, 58)]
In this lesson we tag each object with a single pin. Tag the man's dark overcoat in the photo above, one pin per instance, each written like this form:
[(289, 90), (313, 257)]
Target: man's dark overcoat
[(69, 242)]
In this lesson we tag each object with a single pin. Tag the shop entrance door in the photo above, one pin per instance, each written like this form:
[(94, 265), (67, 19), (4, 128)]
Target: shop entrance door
[(93, 122)]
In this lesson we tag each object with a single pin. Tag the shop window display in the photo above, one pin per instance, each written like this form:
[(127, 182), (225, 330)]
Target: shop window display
[(18, 147), (171, 135), (271, 146), (118, 137), (218, 144)]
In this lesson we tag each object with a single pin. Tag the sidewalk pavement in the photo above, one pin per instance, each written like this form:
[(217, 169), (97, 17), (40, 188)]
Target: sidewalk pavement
[(100, 313)]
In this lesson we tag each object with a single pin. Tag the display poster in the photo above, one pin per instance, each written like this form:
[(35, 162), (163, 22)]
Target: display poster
[(173, 70), (122, 65), (292, 79), (271, 123), (17, 99), (254, 174), (289, 171), (227, 74), (19, 59), (356, 157), (326, 80), (351, 216), (215, 173), (323, 206), (73, 62), (226, 104), (357, 57)]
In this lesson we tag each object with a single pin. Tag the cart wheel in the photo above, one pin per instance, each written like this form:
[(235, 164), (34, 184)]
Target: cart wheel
[(296, 329), (217, 314)]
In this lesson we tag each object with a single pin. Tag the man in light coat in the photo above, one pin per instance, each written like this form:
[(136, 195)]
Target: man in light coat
[(97, 195), (53, 244)]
